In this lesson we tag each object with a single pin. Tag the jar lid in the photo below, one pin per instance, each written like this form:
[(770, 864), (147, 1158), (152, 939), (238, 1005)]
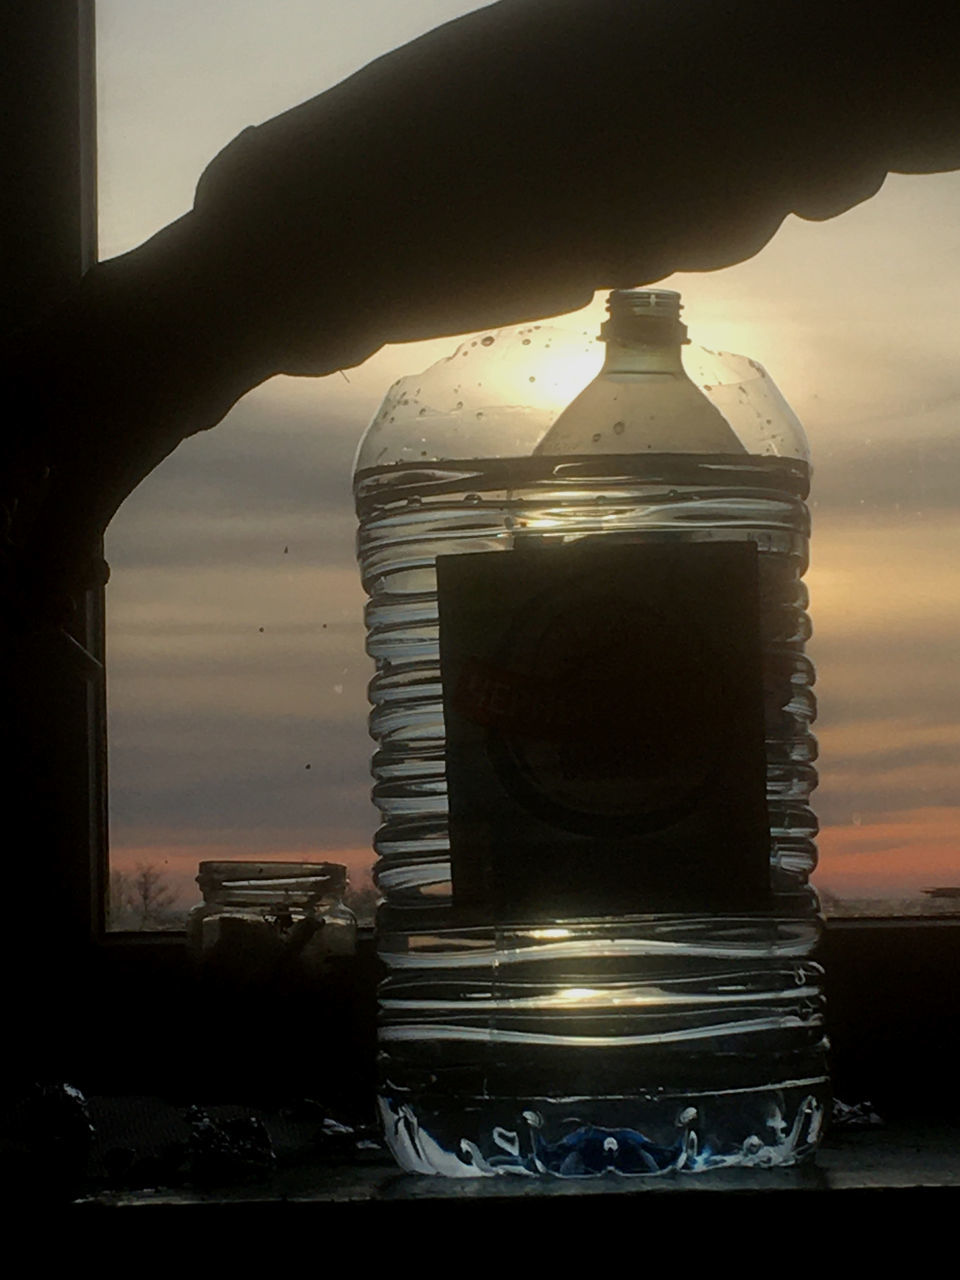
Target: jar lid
[(328, 877)]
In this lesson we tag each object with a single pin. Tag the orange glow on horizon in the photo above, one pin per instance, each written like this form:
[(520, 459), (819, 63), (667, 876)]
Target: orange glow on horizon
[(899, 853), (888, 854)]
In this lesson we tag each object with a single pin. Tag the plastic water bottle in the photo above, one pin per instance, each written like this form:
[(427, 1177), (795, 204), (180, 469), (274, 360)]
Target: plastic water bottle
[(603, 727)]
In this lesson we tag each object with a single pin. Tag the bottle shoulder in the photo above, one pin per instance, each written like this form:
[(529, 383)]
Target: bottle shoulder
[(623, 412)]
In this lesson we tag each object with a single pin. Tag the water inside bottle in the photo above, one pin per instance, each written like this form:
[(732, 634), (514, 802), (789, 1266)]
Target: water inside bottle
[(637, 1044)]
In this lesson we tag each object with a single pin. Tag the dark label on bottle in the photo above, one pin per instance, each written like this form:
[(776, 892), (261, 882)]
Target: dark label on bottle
[(605, 735)]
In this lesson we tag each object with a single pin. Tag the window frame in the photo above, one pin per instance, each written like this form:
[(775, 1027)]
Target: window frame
[(891, 1009), (56, 674)]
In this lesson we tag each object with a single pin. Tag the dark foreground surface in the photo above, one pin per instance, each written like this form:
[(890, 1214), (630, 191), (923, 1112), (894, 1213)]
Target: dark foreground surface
[(150, 1153)]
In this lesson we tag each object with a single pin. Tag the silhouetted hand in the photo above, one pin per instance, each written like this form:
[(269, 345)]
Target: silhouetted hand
[(500, 168), (510, 163)]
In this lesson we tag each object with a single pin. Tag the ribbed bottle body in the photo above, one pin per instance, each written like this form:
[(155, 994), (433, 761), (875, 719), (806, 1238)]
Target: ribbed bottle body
[(637, 1043)]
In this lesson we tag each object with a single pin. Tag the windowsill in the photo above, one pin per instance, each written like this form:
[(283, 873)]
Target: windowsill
[(892, 1005), (892, 1009), (171, 942), (892, 1158)]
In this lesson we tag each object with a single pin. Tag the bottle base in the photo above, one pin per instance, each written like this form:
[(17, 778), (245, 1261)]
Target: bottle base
[(775, 1126)]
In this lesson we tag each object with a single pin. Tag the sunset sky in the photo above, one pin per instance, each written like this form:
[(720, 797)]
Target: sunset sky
[(235, 638)]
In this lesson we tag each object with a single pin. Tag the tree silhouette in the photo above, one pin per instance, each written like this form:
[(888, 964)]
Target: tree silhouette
[(142, 900), (362, 900)]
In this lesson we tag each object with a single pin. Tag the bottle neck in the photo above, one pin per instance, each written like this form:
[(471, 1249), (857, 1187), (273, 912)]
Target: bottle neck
[(642, 343), (633, 357)]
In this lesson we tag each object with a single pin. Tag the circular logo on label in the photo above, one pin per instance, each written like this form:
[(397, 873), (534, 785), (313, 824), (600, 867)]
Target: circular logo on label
[(616, 715)]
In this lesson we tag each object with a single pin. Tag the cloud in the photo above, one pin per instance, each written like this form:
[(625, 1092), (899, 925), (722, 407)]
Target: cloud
[(886, 617), (915, 476), (248, 779), (170, 611), (273, 474)]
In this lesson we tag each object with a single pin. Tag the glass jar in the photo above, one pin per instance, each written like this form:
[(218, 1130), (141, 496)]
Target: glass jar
[(268, 920)]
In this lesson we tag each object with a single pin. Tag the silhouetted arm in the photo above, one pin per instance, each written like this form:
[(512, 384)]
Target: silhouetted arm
[(500, 168), (507, 165)]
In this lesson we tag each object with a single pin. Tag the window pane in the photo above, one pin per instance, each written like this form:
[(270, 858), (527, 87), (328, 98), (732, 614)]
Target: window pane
[(237, 674)]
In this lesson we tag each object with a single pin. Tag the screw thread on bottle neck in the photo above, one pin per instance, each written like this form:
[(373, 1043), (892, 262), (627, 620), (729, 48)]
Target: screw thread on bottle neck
[(649, 317)]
